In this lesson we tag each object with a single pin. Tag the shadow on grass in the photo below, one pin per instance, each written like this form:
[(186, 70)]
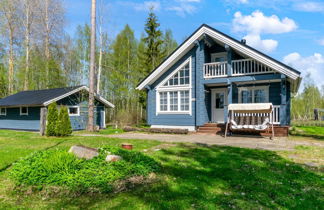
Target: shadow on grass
[(219, 177)]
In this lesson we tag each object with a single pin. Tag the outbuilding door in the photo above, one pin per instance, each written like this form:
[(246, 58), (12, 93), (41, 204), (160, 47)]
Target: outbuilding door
[(218, 103)]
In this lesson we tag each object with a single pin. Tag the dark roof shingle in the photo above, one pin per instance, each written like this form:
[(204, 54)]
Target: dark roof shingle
[(34, 97)]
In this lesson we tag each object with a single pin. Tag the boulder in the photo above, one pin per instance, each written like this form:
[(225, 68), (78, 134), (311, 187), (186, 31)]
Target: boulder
[(113, 158), (84, 152)]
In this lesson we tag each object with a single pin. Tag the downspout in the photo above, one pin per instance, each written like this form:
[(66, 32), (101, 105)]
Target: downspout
[(196, 105)]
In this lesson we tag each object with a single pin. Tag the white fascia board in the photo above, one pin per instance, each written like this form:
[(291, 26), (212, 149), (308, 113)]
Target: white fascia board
[(99, 98), (64, 95), (204, 30)]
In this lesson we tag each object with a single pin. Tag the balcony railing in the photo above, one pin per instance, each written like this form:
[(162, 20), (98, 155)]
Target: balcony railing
[(239, 68)]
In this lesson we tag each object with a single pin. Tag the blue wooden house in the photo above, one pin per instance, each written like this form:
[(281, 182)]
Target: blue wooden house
[(22, 111), (207, 72)]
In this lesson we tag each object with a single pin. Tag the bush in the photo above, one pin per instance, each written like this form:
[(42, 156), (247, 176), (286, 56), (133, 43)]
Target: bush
[(52, 117), (63, 125), (60, 168)]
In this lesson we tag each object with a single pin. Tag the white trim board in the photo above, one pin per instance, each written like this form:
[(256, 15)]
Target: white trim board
[(190, 128), (186, 46), (98, 97)]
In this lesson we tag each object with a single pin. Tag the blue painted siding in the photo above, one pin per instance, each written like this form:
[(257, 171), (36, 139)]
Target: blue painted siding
[(201, 94), (13, 119), (171, 119)]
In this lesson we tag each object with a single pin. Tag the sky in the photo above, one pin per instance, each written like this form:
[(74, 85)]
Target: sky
[(291, 31)]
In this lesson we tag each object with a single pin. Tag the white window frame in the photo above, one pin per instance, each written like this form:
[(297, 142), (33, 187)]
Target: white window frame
[(5, 112), (266, 88), (218, 55), (78, 110), (178, 88), (24, 113)]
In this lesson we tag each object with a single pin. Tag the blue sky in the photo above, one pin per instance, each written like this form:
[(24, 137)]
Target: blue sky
[(291, 31)]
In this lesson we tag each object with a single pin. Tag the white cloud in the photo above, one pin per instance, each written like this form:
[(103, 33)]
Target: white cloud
[(257, 23), (183, 9), (321, 42), (266, 45), (310, 6), (313, 64), (145, 6), (197, 1), (243, 1)]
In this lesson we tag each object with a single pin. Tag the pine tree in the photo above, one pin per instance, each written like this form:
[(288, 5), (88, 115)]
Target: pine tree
[(52, 118), (63, 126), (153, 42)]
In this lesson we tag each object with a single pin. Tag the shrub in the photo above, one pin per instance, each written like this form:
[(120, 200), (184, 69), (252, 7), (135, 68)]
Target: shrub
[(60, 168), (52, 117), (63, 125)]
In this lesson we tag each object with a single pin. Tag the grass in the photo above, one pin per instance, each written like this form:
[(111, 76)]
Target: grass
[(192, 177), (310, 131), (318, 123)]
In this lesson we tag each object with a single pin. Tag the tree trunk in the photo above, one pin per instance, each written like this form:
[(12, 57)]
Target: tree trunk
[(11, 61), (100, 60), (27, 43), (92, 67), (47, 34)]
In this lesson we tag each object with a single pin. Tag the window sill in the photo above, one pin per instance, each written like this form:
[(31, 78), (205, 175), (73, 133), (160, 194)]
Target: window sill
[(185, 112)]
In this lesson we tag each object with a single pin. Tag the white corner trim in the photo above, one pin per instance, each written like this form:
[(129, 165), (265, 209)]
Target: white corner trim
[(240, 47), (78, 110), (190, 128), (20, 108)]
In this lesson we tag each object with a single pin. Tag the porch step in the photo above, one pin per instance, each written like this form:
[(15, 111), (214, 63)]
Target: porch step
[(211, 128)]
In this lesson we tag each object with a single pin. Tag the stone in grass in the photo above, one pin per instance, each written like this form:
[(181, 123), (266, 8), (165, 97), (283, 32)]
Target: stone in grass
[(113, 158), (84, 152)]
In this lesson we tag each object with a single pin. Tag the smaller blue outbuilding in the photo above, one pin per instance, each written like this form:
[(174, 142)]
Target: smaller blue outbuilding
[(22, 111)]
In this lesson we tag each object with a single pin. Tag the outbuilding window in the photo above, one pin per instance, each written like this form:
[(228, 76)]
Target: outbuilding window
[(23, 110), (3, 111), (74, 111)]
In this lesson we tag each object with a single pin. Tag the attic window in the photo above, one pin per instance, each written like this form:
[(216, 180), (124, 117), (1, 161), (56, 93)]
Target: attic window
[(3, 111), (74, 111), (23, 110), (180, 78)]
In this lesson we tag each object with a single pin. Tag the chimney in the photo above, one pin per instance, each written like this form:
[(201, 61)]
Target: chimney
[(243, 41)]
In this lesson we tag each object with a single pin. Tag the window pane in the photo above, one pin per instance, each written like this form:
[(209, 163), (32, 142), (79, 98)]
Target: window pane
[(163, 101), (180, 78), (73, 110), (219, 100), (184, 100), (24, 110), (246, 96), (3, 111), (259, 96), (173, 100)]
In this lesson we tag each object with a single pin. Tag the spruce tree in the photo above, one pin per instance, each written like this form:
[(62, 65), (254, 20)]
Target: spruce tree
[(63, 126), (52, 118), (153, 41)]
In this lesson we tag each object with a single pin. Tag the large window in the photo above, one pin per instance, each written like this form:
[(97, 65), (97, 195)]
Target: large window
[(182, 77), (174, 101), (254, 94), (3, 111)]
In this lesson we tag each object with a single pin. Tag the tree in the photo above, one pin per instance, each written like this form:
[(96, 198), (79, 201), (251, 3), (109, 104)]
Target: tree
[(92, 76), (52, 118), (169, 44), (63, 126), (153, 41), (9, 14)]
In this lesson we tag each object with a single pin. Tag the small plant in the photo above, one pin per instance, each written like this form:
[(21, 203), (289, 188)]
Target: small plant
[(63, 125), (63, 169), (52, 117)]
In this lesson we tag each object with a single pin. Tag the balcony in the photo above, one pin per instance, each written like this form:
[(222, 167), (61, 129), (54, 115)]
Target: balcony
[(238, 68)]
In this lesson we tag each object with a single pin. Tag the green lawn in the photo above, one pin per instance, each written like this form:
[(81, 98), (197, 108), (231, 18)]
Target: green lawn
[(192, 177), (311, 131)]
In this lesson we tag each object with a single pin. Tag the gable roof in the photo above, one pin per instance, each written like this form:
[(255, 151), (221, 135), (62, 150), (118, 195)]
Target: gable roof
[(45, 97), (233, 43)]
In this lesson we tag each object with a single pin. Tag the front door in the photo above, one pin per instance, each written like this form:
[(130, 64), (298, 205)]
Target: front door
[(219, 101)]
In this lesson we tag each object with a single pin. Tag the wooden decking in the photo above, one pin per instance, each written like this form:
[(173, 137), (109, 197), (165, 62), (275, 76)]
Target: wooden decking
[(219, 129)]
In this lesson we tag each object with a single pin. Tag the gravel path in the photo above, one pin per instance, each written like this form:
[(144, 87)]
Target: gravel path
[(237, 141)]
